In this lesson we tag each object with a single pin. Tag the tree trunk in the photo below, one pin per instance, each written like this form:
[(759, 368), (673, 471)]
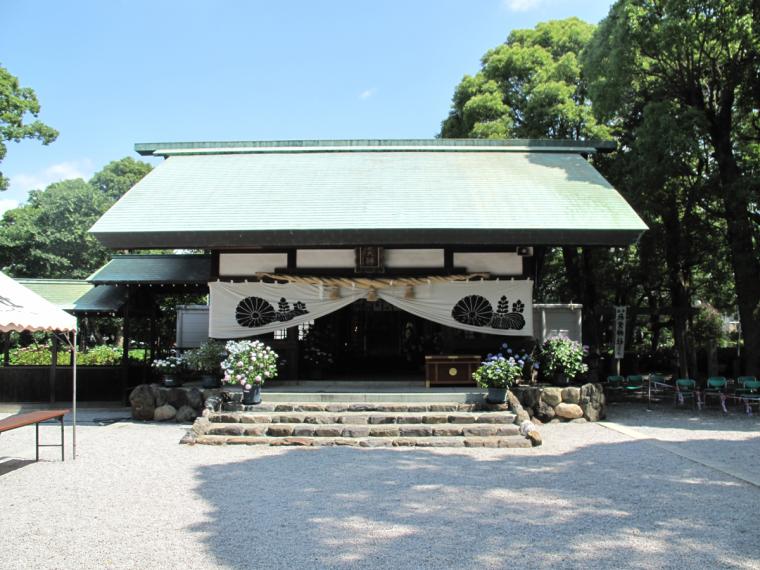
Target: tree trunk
[(581, 280), (678, 282), (743, 256)]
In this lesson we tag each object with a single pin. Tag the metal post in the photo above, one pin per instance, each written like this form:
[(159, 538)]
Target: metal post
[(73, 395), (62, 448), (37, 441), (53, 367)]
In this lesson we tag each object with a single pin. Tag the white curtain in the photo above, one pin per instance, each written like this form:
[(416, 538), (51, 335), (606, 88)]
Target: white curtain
[(495, 307)]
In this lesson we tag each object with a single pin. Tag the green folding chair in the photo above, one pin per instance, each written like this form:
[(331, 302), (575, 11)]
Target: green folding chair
[(686, 388), (634, 383), (748, 391), (614, 385), (716, 387)]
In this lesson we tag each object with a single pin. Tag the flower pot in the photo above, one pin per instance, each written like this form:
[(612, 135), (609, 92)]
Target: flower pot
[(496, 395), (210, 381), (252, 397), (171, 380), (561, 379)]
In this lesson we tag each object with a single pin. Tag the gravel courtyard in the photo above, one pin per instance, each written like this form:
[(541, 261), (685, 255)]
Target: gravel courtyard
[(639, 492)]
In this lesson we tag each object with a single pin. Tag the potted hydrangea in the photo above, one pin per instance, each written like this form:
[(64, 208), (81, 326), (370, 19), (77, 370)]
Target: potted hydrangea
[(206, 360), (170, 369), (249, 364), (498, 373), (562, 359)]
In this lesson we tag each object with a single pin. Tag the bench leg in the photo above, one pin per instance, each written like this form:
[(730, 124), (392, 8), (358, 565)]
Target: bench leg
[(63, 457)]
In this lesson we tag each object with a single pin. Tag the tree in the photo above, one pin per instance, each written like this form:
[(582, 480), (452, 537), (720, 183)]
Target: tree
[(529, 87), (49, 235), (702, 58), (15, 103), (119, 176), (532, 86)]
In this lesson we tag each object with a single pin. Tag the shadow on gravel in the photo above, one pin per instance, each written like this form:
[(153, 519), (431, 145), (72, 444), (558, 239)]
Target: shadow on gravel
[(8, 464), (607, 505), (666, 415)]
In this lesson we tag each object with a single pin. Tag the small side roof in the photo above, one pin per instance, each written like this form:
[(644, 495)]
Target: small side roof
[(78, 297), (159, 269)]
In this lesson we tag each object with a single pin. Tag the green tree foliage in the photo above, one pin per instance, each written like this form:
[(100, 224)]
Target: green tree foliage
[(48, 236), (695, 65), (529, 87), (16, 103), (119, 176)]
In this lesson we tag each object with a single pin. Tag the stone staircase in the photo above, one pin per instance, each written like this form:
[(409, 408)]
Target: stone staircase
[(383, 424)]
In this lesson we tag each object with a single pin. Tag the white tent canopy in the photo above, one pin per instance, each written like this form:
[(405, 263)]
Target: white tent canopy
[(21, 309)]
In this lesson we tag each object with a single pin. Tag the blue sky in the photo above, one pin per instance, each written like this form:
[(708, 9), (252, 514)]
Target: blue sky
[(111, 73)]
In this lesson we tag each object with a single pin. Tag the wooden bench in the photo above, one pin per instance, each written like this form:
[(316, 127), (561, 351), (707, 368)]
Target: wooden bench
[(29, 418)]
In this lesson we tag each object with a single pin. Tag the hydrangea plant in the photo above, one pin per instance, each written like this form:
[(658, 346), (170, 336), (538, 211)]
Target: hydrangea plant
[(169, 365), (249, 363), (499, 371), (560, 355)]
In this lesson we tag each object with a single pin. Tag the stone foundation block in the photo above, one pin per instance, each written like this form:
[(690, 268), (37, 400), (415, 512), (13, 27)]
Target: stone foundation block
[(327, 431), (415, 431), (447, 431), (356, 431), (551, 396), (279, 430), (384, 431), (568, 411), (479, 431)]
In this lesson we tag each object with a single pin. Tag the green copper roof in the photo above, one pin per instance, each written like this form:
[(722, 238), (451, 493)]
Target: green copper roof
[(78, 297), (154, 269), (102, 299), (336, 193), (63, 293)]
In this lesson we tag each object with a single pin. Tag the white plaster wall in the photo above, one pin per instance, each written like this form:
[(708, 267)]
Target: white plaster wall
[(250, 263), (496, 263)]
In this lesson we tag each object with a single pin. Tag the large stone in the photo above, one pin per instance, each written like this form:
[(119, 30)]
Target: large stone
[(568, 411), (535, 438), (177, 397), (280, 430), (593, 402), (551, 396), (186, 414), (447, 431), (194, 398), (544, 412), (528, 396), (143, 402), (164, 413), (522, 416), (571, 395), (514, 402), (160, 394)]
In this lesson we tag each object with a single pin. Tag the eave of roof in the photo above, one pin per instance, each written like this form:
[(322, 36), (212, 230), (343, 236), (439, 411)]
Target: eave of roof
[(373, 145), (160, 269)]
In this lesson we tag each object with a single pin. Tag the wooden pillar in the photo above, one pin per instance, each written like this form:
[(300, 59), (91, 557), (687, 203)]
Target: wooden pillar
[(53, 367), (125, 350), (7, 349), (293, 341)]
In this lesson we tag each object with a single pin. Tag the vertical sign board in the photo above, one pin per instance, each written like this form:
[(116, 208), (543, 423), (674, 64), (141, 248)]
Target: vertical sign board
[(620, 332)]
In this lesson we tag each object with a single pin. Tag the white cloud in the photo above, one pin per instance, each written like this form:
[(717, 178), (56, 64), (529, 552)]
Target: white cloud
[(7, 205), (522, 5), (20, 184), (367, 93)]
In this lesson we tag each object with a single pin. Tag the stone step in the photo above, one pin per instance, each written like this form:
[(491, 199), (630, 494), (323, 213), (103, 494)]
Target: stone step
[(295, 406), (274, 430), (356, 417), (494, 441)]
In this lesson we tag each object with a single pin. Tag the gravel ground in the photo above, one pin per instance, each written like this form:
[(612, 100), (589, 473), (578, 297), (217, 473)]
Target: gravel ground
[(591, 497)]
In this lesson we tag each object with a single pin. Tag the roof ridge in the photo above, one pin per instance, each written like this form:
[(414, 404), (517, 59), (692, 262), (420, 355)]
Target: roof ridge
[(375, 145)]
